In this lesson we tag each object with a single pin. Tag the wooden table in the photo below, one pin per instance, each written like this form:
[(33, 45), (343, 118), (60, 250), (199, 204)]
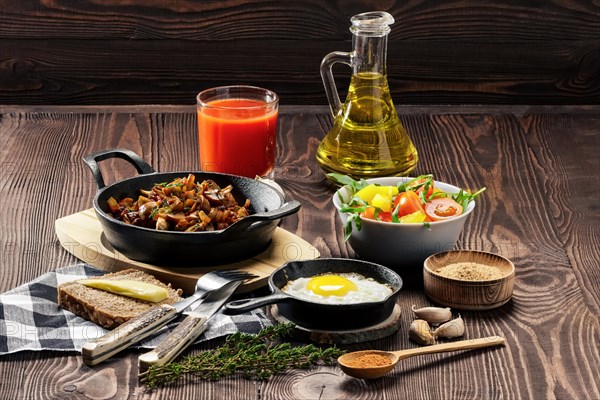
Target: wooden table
[(540, 165)]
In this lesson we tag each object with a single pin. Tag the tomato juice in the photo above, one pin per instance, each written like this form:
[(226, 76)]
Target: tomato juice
[(237, 136)]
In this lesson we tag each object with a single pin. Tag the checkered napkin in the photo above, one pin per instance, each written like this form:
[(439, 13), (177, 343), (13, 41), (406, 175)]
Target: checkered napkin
[(30, 318)]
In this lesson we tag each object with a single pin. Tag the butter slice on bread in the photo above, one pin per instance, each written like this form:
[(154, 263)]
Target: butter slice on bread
[(107, 309)]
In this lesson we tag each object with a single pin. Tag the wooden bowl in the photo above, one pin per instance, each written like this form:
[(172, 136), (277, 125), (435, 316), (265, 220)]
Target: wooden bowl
[(468, 294)]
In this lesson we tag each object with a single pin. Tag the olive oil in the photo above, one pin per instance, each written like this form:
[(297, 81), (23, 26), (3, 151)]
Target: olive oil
[(367, 138)]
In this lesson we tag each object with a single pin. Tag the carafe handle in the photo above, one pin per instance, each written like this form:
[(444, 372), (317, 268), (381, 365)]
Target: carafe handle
[(327, 75)]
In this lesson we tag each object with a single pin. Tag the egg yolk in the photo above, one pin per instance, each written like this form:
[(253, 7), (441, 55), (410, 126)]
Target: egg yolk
[(331, 285)]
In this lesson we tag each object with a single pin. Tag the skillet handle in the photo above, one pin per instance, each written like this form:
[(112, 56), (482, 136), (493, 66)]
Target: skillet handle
[(289, 208), (92, 161), (241, 306)]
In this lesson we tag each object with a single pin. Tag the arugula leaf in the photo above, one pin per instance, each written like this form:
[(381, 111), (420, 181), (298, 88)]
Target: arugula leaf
[(423, 196), (436, 195), (395, 217), (341, 179), (376, 212), (347, 208), (355, 204), (464, 198), (428, 180), (354, 211), (347, 181), (352, 218)]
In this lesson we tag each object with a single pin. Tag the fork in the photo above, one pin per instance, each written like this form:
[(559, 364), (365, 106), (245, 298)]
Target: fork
[(150, 321), (212, 281)]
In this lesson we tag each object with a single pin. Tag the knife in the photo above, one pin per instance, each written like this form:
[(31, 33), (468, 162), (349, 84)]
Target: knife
[(188, 330), (134, 330)]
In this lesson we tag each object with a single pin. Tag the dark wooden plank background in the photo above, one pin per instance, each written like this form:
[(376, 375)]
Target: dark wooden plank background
[(164, 52), (540, 165)]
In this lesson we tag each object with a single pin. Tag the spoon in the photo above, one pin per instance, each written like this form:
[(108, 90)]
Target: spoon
[(351, 369)]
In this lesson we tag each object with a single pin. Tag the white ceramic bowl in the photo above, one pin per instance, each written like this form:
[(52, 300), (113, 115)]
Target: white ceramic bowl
[(403, 247)]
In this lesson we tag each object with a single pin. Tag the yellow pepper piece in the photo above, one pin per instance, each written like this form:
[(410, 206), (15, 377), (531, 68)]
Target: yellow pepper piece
[(413, 218), (130, 288), (368, 192), (384, 203), (390, 190)]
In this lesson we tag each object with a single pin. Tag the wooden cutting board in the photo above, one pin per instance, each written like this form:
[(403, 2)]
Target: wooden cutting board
[(81, 235)]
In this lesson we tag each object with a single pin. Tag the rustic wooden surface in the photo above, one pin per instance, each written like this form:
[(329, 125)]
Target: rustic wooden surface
[(541, 168), (165, 52)]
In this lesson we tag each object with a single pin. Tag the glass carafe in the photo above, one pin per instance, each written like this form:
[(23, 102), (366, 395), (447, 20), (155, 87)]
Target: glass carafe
[(367, 138)]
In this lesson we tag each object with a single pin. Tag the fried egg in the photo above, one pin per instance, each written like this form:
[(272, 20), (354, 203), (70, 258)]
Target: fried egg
[(343, 288)]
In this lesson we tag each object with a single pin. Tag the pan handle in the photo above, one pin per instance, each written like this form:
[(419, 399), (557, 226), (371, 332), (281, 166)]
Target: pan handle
[(241, 306), (92, 161), (288, 208)]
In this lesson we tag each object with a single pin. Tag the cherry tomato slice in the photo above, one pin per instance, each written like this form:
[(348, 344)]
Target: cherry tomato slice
[(443, 208), (385, 216), (407, 203)]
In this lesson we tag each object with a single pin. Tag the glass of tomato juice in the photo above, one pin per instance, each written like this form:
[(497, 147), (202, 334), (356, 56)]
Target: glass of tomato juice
[(237, 130)]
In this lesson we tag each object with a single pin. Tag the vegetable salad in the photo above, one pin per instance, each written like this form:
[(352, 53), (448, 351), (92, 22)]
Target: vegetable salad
[(415, 201)]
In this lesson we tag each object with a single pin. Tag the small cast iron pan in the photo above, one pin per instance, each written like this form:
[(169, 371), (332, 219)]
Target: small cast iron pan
[(241, 240), (309, 314)]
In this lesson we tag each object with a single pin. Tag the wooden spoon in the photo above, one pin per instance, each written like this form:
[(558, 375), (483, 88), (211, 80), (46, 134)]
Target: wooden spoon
[(347, 366)]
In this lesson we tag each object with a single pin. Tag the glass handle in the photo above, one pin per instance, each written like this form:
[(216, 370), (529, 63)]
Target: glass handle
[(327, 75)]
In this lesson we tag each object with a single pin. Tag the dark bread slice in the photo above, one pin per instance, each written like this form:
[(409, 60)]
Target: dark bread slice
[(107, 309)]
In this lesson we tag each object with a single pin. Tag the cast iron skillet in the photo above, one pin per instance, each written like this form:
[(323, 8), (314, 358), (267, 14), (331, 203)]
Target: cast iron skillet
[(314, 315), (241, 240)]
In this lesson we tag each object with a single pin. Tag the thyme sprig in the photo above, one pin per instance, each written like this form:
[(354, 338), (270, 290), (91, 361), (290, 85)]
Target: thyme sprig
[(256, 356)]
